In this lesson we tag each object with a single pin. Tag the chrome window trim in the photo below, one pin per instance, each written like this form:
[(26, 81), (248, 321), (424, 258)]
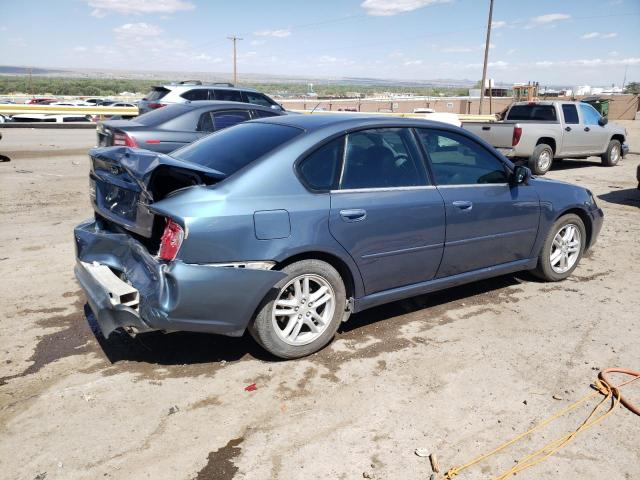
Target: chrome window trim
[(475, 185), (384, 189)]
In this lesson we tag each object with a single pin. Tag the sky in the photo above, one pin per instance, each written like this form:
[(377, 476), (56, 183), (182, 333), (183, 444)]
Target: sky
[(569, 42)]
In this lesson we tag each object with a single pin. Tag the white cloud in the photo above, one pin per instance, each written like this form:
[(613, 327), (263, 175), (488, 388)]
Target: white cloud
[(614, 53), (3, 28), (511, 51), (255, 43), (383, 8), (80, 49), (17, 42), (477, 48), (592, 35), (280, 33), (128, 7), (140, 29), (410, 63), (550, 18), (498, 24)]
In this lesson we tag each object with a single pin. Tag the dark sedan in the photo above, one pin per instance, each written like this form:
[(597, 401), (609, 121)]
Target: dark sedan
[(171, 127)]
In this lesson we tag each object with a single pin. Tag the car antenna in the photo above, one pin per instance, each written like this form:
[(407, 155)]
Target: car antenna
[(314, 108)]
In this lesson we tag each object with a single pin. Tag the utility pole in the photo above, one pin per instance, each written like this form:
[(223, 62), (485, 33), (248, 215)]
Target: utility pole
[(486, 57), (30, 72), (235, 39)]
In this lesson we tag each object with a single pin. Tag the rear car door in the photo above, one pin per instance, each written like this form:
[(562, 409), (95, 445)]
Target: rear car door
[(489, 222), (384, 210), (597, 136), (573, 133)]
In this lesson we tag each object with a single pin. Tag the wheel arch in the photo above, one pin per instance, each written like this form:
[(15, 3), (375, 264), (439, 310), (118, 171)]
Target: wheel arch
[(345, 271), (586, 220), (549, 141), (617, 136)]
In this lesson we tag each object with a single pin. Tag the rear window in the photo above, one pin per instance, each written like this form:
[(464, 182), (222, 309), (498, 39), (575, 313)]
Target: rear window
[(227, 95), (233, 148), (156, 94), (532, 112), (161, 115)]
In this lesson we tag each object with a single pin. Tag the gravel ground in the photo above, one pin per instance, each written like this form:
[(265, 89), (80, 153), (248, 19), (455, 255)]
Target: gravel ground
[(455, 373)]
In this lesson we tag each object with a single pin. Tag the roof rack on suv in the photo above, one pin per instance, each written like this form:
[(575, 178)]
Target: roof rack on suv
[(189, 82), (223, 84)]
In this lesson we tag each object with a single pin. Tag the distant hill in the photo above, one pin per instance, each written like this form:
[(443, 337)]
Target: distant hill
[(11, 70)]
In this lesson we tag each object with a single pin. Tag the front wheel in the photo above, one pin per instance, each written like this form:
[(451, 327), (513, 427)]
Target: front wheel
[(562, 250), (541, 159), (304, 314), (612, 156)]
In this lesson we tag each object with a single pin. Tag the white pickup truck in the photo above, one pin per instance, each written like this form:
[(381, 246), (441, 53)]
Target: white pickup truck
[(539, 132)]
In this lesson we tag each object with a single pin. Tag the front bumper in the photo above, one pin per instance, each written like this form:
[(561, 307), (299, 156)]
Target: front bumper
[(174, 295), (597, 217), (625, 150)]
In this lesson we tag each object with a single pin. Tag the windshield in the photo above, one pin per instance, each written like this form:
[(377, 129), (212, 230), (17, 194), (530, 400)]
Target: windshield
[(233, 148), (532, 112)]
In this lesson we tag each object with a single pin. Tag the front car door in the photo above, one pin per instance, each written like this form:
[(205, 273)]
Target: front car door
[(384, 210), (597, 136), (489, 221), (573, 134)]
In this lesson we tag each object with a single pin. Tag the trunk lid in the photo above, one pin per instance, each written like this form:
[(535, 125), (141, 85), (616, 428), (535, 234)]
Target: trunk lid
[(125, 182), (107, 130)]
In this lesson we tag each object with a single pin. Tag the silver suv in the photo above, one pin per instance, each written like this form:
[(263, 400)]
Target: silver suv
[(185, 92)]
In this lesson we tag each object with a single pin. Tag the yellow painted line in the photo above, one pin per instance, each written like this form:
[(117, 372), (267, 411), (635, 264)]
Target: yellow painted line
[(64, 109)]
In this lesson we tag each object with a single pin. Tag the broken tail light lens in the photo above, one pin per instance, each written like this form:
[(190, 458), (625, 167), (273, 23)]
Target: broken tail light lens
[(124, 140), (156, 105), (170, 241), (517, 133)]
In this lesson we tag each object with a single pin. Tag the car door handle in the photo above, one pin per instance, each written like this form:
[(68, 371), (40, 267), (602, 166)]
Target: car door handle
[(567, 129), (464, 205), (353, 215), (587, 129)]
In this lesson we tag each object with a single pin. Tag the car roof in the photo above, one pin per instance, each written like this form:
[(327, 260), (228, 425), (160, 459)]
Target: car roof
[(310, 122), (222, 104), (173, 86)]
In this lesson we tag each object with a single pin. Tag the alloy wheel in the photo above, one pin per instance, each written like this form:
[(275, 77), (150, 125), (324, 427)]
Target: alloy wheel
[(565, 249)]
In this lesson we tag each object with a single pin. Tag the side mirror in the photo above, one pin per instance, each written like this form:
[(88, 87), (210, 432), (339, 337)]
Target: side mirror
[(521, 175), (602, 121)]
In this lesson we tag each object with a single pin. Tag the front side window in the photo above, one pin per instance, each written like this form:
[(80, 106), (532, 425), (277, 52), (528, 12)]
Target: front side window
[(258, 99), (229, 118), (381, 158), (228, 150), (458, 160), (227, 95), (590, 115), (570, 113), (320, 169), (196, 94)]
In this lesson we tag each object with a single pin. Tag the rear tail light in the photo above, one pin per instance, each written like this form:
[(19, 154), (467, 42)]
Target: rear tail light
[(171, 240), (517, 133), (124, 140), (156, 105), (152, 142)]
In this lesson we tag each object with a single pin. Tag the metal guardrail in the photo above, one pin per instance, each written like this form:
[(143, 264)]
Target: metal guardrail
[(13, 109), (464, 117)]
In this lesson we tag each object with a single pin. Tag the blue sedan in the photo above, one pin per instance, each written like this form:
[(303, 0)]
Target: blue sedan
[(285, 226)]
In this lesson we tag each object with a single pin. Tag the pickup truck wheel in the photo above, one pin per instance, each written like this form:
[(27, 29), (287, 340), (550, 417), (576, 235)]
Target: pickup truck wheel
[(562, 250), (303, 313), (612, 156), (541, 159)]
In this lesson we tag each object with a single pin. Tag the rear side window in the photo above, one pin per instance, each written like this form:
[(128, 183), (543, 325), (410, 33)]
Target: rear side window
[(258, 99), (161, 115), (320, 169), (233, 148), (229, 118), (156, 94), (227, 95), (196, 94), (381, 158), (533, 112), (205, 124), (457, 160), (590, 115), (570, 113), (264, 114)]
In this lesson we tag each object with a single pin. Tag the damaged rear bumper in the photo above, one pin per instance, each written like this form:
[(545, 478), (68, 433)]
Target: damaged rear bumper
[(171, 296)]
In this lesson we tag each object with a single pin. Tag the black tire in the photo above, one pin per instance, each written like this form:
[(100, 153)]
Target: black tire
[(538, 162), (544, 269), (263, 330), (612, 156)]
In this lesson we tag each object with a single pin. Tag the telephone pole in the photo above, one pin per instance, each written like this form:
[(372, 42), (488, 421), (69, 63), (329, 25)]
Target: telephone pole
[(235, 39), (486, 57)]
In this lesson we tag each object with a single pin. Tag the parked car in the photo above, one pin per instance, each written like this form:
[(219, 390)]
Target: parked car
[(50, 118), (287, 225), (539, 132), (184, 92), (37, 101), (174, 126), (94, 101)]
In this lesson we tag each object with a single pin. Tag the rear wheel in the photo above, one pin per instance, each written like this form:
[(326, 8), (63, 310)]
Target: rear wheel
[(541, 159), (562, 250), (613, 154), (304, 314)]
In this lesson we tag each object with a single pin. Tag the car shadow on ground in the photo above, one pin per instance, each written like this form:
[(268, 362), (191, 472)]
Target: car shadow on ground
[(626, 196), (569, 164), (187, 348)]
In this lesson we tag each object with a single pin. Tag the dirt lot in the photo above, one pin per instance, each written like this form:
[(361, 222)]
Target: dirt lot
[(456, 372)]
